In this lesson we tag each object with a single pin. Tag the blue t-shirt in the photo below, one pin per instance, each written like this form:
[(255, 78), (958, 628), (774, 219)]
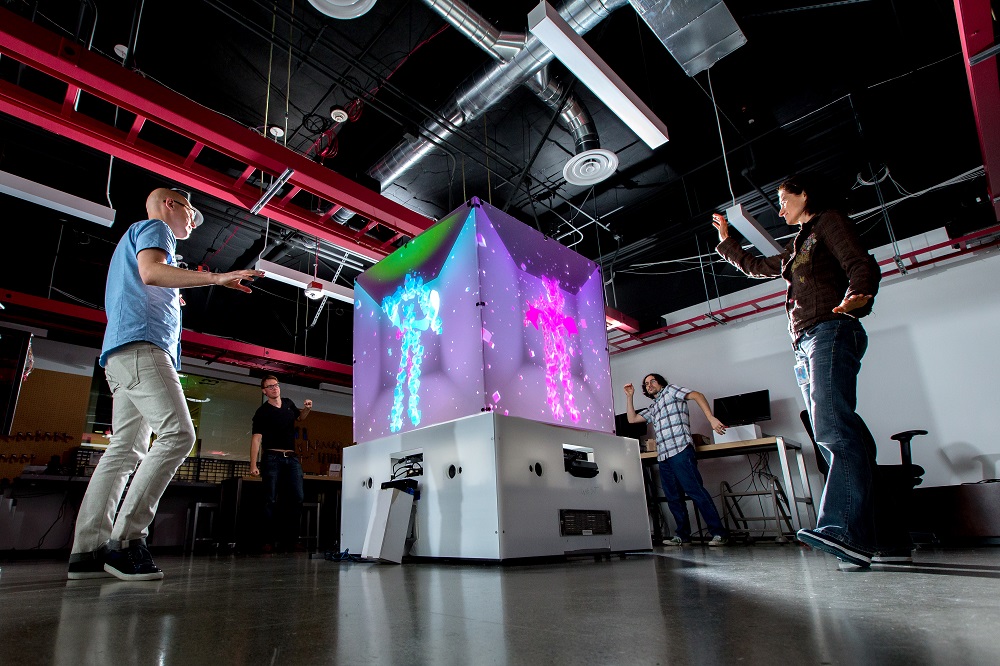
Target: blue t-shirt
[(136, 311)]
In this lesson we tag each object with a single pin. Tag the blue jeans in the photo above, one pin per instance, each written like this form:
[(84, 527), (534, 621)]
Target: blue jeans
[(679, 475), (283, 495), (827, 362)]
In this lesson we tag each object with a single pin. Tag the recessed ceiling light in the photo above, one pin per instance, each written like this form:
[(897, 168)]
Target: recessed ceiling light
[(121, 51), (276, 131)]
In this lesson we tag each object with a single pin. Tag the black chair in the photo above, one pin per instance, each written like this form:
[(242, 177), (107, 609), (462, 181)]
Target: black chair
[(894, 484), (906, 470)]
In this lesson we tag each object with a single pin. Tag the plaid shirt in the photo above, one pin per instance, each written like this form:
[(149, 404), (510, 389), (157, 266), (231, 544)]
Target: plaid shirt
[(823, 264), (671, 421)]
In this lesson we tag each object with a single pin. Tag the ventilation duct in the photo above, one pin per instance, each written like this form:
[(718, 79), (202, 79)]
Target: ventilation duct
[(697, 33), (505, 46), (501, 45), (496, 81)]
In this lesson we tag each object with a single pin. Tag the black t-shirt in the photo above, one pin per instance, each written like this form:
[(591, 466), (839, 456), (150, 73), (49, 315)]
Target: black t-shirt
[(276, 426)]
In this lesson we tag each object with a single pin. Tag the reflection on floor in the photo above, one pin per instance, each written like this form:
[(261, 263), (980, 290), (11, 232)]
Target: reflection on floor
[(747, 604)]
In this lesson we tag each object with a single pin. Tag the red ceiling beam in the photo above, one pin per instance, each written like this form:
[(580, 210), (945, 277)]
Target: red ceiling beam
[(90, 132), (67, 61), (975, 28)]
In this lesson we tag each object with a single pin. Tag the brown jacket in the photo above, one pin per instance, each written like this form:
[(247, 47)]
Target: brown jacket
[(822, 265)]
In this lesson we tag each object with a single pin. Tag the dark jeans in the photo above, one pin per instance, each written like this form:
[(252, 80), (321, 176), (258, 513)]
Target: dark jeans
[(679, 475), (283, 495), (827, 361)]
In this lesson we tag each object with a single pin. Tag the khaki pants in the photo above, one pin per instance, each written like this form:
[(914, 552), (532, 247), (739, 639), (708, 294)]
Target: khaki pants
[(147, 398)]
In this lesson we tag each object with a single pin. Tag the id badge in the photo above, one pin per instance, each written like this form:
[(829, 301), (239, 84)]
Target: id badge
[(801, 372)]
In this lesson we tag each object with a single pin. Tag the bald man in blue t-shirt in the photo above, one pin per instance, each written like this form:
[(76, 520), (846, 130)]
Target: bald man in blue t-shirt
[(141, 356)]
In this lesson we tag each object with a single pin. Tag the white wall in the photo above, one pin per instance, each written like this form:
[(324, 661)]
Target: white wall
[(932, 363)]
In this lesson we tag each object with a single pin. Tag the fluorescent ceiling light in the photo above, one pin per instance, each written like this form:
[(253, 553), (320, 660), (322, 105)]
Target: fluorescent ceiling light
[(569, 48), (36, 193), (752, 231), (271, 191), (304, 281)]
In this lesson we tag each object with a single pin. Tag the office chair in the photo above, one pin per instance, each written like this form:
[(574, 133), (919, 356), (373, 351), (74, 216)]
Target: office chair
[(894, 484), (906, 470)]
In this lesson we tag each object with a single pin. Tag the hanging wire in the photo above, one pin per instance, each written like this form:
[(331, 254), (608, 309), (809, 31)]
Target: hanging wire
[(486, 138), (878, 191), (708, 299), (718, 123), (52, 276), (270, 60), (288, 79), (267, 230)]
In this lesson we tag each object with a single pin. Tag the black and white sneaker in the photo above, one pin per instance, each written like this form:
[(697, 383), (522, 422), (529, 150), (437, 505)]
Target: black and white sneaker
[(132, 563), (830, 545), (88, 565)]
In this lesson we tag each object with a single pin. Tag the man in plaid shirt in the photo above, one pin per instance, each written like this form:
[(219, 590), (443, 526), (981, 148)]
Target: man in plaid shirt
[(675, 453)]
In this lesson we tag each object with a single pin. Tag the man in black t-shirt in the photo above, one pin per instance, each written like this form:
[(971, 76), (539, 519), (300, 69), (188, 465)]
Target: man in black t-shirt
[(274, 433)]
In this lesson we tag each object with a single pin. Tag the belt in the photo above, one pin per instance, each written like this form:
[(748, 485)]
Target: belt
[(283, 454)]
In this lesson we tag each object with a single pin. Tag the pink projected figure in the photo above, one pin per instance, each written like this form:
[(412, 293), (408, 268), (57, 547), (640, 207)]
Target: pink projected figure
[(401, 308), (546, 315)]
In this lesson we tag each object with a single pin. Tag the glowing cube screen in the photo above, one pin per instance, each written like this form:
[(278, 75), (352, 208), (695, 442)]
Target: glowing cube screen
[(480, 313)]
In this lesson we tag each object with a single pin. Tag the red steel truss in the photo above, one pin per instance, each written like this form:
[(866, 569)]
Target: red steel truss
[(975, 27), (205, 130)]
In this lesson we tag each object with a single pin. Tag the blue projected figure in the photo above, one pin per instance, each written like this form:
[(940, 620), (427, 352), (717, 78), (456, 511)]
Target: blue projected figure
[(402, 308)]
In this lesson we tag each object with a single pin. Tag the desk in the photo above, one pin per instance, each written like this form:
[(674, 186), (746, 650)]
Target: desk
[(243, 502), (42, 509), (764, 445)]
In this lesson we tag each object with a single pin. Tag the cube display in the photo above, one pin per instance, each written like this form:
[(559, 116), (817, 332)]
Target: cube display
[(480, 313)]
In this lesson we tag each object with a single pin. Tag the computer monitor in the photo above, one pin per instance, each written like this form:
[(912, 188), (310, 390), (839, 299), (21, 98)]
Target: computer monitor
[(744, 409), (625, 429)]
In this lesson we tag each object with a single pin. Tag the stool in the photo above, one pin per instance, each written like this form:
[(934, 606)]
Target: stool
[(191, 537), (309, 524)]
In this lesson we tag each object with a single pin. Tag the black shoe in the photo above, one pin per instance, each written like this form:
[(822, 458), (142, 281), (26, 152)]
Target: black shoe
[(132, 563), (88, 565), (834, 547)]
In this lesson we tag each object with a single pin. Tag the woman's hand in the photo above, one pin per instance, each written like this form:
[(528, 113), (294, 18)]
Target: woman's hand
[(721, 225), (852, 302)]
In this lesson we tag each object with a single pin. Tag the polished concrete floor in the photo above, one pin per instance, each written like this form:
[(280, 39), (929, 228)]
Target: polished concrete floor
[(765, 604)]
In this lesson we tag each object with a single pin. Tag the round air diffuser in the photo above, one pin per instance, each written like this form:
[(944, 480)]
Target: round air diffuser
[(343, 9), (590, 167)]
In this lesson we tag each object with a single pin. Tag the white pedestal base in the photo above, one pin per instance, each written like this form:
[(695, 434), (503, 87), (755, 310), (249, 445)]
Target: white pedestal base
[(494, 487)]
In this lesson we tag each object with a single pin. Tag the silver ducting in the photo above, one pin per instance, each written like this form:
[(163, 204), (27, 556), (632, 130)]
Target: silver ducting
[(574, 115), (697, 33), (501, 45), (504, 46), (496, 81)]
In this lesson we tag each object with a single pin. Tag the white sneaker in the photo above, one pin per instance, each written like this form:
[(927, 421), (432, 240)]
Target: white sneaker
[(718, 540), (675, 541)]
